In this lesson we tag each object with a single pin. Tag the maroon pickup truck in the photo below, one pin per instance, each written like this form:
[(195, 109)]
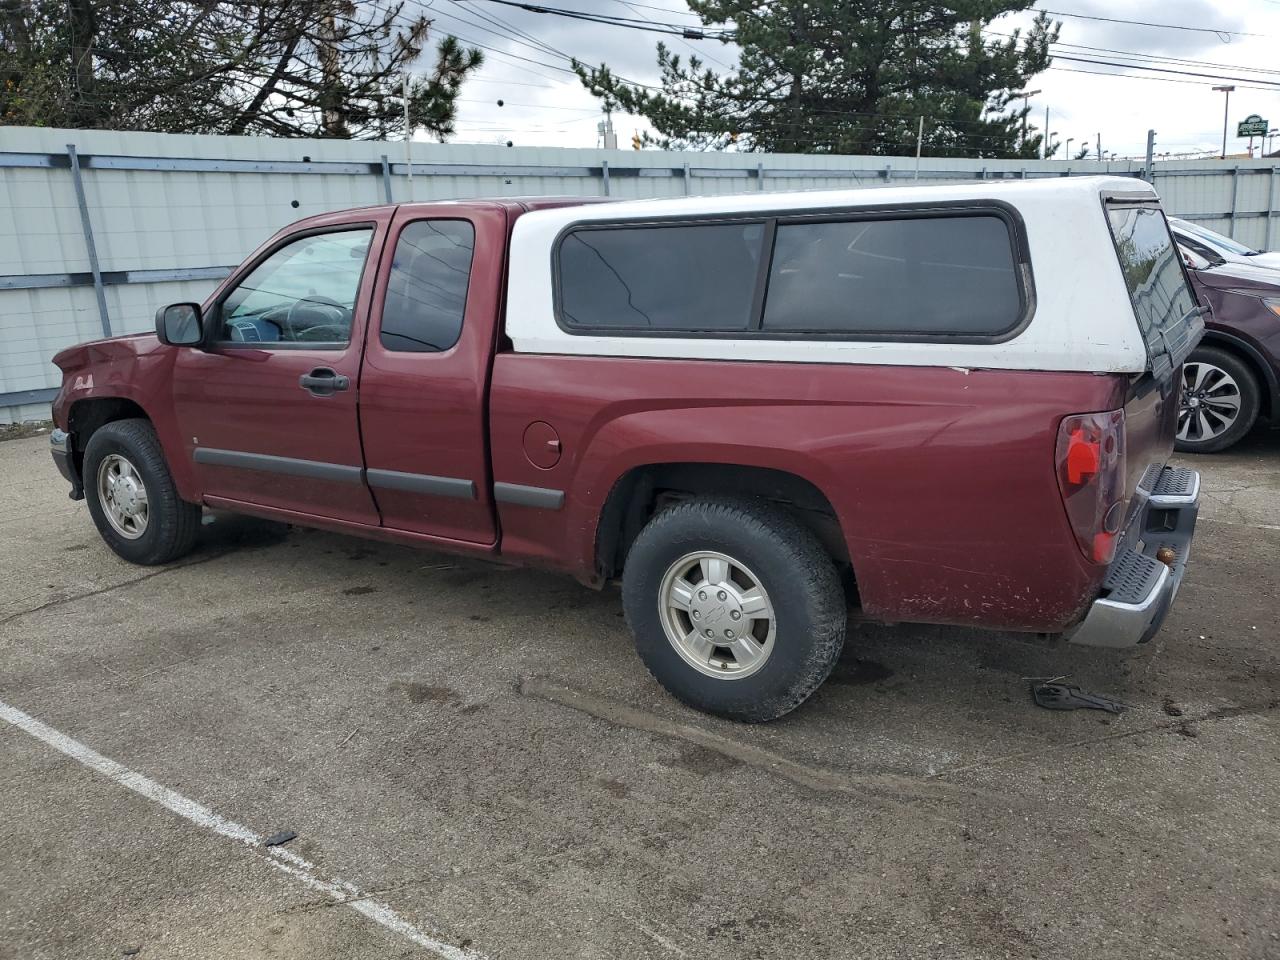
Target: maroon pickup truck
[(954, 403)]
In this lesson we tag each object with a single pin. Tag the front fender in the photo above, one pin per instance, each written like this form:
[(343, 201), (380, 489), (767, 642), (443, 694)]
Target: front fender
[(137, 370)]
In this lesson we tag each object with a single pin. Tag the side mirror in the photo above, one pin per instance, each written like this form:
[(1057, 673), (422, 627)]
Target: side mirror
[(180, 325)]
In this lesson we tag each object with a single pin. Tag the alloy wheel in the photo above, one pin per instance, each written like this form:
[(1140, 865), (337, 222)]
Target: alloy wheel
[(1210, 402), (717, 615)]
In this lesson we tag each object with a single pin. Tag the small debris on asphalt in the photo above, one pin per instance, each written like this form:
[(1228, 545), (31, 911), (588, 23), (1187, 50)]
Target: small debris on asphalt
[(1061, 696), (1171, 708), (130, 951), (276, 839)]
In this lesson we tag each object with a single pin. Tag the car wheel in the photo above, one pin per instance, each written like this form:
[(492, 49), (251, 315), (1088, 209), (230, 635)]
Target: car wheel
[(132, 497), (1219, 403), (737, 610)]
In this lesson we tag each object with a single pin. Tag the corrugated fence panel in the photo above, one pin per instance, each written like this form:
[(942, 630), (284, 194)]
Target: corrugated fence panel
[(188, 207)]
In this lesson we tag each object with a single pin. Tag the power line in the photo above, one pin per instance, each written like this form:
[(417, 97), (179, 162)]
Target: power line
[(1265, 84), (1147, 23), (636, 8), (672, 29), (537, 106), (1160, 58), (1134, 76), (690, 13)]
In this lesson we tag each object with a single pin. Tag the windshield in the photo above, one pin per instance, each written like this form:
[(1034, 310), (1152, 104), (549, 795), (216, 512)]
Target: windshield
[(1216, 240), (1162, 300)]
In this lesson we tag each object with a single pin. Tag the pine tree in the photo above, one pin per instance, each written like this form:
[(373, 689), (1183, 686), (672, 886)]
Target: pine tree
[(286, 68), (848, 77)]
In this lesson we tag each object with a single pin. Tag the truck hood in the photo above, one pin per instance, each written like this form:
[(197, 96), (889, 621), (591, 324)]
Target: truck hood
[(97, 351)]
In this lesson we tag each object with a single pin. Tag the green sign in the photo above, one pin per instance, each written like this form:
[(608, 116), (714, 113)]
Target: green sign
[(1252, 126)]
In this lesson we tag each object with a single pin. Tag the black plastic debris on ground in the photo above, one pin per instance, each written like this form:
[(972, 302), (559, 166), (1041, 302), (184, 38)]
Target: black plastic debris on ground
[(1061, 696), (276, 839)]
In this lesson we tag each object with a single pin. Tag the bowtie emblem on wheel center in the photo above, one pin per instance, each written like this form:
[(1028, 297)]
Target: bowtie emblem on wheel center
[(713, 609)]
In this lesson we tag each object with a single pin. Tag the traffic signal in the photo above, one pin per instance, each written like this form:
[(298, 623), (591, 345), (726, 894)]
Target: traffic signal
[(635, 140)]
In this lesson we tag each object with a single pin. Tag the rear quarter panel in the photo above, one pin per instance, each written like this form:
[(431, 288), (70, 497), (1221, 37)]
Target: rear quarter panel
[(942, 479)]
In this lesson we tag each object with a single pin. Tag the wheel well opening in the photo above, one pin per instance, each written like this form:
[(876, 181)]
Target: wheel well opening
[(87, 416), (644, 491)]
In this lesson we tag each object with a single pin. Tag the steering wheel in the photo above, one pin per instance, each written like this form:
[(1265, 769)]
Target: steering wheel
[(340, 323)]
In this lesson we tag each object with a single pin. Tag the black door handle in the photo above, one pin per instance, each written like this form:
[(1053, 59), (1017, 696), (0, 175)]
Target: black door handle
[(323, 382)]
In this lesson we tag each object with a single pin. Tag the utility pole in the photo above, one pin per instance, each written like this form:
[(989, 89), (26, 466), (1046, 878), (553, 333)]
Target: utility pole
[(332, 118), (1151, 153), (408, 132), (1226, 110), (919, 144), (1044, 144), (1099, 144), (606, 131)]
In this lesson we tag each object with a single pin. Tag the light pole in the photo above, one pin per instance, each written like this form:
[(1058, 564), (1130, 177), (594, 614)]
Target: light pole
[(1271, 139), (1049, 143), (1026, 96), (1066, 154), (1226, 108)]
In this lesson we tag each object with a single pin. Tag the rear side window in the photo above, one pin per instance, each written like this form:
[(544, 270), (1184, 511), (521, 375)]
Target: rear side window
[(1162, 301), (946, 276), (660, 279), (427, 289)]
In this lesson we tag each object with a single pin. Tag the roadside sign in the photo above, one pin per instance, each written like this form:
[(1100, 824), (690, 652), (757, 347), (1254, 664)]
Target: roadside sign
[(1251, 126)]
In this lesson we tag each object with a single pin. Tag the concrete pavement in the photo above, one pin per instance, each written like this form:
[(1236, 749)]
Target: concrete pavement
[(479, 751)]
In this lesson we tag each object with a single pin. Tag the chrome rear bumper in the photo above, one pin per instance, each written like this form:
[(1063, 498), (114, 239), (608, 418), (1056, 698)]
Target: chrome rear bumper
[(1139, 589)]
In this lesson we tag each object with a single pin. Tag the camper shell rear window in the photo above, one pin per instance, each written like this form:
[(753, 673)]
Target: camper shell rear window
[(1163, 302)]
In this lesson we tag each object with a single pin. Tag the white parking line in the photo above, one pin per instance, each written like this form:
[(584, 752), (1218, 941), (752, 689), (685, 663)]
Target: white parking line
[(279, 858)]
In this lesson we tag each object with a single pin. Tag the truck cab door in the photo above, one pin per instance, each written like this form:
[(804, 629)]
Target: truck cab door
[(268, 409), (425, 381)]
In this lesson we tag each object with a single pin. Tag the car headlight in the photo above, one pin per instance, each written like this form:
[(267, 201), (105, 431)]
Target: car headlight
[(1272, 304)]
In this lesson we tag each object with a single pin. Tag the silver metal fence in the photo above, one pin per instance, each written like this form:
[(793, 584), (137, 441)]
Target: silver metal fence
[(105, 226)]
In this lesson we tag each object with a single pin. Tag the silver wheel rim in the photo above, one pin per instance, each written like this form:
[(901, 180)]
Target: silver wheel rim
[(717, 615), (1210, 402), (123, 496)]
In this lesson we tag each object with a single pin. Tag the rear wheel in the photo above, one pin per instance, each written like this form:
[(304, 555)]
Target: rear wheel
[(736, 608), (1220, 401), (132, 497)]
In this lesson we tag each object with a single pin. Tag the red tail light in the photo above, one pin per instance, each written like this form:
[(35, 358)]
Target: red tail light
[(1091, 474)]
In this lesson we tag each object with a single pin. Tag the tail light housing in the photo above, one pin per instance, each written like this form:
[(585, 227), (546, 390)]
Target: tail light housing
[(1091, 477)]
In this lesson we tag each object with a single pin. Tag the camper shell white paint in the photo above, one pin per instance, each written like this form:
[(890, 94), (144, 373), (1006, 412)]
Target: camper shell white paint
[(1082, 318)]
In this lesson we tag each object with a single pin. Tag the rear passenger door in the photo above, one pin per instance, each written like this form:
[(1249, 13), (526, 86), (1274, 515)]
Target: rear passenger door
[(424, 382)]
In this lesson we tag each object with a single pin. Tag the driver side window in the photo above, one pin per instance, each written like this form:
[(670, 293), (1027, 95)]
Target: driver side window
[(304, 293)]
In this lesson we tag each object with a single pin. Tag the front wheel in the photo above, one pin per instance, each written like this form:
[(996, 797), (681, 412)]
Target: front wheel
[(1220, 401), (132, 497), (736, 608)]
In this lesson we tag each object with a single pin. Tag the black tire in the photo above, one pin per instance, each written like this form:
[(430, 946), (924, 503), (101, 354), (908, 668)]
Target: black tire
[(172, 523), (792, 567), (1250, 400)]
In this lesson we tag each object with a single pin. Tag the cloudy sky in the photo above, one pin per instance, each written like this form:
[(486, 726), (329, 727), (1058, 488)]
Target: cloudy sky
[(545, 105)]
